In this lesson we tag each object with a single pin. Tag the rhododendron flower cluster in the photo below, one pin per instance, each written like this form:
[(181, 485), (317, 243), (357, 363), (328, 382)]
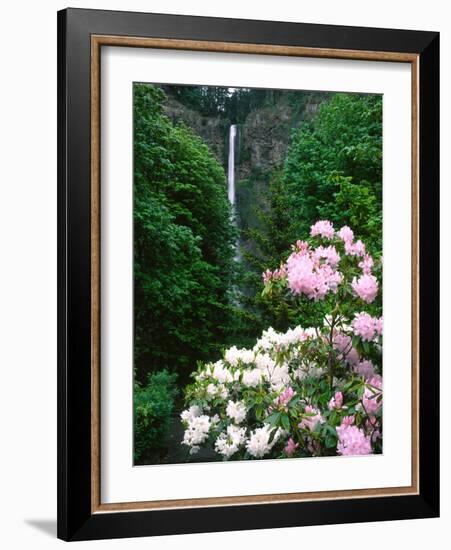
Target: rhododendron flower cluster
[(228, 443), (312, 420), (262, 440), (323, 228), (372, 397), (352, 441), (308, 275), (319, 271), (366, 326), (366, 264), (336, 401), (365, 287), (366, 369), (290, 447), (313, 391), (286, 396), (236, 411)]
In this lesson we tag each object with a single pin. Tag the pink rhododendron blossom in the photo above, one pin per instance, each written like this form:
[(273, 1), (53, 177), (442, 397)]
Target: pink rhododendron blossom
[(349, 248), (322, 228), (372, 397), (366, 264), (267, 276), (365, 287), (365, 369), (354, 249), (359, 248), (352, 441), (310, 422), (301, 246), (301, 276), (286, 396), (348, 421), (346, 234), (343, 343), (329, 254), (365, 326), (280, 273), (376, 381), (307, 276), (328, 280), (291, 447), (336, 401)]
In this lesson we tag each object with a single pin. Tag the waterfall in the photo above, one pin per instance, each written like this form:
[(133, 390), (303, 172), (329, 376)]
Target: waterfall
[(231, 168), (231, 182)]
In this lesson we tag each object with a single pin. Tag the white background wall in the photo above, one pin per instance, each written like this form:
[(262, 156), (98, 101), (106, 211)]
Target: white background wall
[(28, 270)]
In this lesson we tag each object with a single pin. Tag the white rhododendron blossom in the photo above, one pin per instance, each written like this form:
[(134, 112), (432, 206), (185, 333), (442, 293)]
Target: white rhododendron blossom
[(278, 376), (271, 338), (229, 443), (197, 432), (234, 356), (219, 390), (264, 362), (236, 411), (190, 413), (259, 443), (221, 373), (252, 378)]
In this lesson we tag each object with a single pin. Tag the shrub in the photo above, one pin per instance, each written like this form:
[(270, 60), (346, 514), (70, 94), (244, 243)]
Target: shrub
[(313, 391), (153, 407)]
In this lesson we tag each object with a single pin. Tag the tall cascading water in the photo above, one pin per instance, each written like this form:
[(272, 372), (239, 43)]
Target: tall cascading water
[(231, 181), (231, 168)]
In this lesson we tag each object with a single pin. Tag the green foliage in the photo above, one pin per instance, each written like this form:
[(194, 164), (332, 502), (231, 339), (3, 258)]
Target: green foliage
[(357, 206), (271, 241), (183, 242), (333, 168), (153, 404), (206, 100)]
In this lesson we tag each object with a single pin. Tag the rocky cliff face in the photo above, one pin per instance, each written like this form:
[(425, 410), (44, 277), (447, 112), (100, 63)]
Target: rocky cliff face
[(263, 137), (212, 130), (266, 133)]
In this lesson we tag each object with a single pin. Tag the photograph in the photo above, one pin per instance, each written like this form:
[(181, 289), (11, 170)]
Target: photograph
[(257, 274)]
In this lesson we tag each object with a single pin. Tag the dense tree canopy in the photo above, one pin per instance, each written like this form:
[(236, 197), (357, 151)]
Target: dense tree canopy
[(183, 242), (234, 104), (333, 168)]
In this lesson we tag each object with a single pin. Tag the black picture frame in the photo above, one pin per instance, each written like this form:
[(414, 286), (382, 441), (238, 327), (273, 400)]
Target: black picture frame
[(76, 520)]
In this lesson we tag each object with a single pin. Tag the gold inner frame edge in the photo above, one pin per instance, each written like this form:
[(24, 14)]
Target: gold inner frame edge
[(97, 41)]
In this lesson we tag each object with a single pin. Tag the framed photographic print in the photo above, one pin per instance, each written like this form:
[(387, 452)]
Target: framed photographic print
[(248, 274)]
